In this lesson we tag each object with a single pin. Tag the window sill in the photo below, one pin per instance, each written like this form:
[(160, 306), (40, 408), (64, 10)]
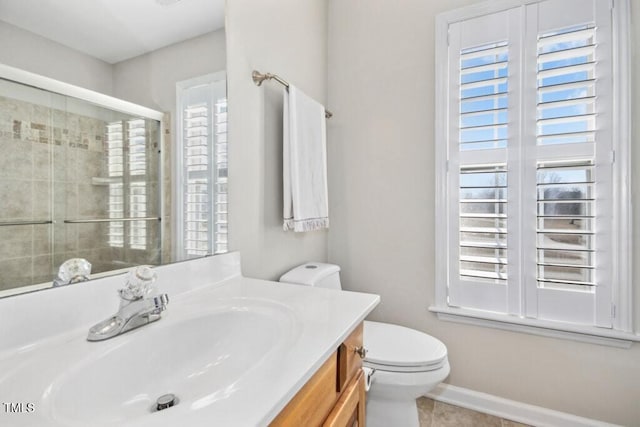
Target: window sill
[(593, 335)]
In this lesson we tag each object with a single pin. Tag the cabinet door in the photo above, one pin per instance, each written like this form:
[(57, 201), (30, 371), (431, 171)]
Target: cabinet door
[(350, 408), (349, 360), (314, 401)]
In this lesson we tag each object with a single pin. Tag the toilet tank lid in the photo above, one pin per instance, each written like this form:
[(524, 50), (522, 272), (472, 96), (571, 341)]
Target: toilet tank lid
[(309, 273)]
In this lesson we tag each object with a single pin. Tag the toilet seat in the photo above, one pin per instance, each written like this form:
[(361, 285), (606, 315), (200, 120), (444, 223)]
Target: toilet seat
[(395, 348)]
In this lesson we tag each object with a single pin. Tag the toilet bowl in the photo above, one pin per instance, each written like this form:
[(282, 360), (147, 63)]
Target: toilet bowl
[(407, 363)]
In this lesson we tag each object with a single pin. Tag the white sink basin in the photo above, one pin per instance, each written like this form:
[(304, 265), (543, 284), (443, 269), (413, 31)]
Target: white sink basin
[(201, 358), (234, 350)]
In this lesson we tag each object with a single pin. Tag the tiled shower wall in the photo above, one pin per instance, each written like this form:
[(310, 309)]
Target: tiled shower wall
[(48, 158)]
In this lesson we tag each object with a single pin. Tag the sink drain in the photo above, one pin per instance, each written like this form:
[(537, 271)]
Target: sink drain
[(166, 401)]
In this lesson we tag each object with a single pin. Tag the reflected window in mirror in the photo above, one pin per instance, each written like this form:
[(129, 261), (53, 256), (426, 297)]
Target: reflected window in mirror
[(128, 153), (201, 166)]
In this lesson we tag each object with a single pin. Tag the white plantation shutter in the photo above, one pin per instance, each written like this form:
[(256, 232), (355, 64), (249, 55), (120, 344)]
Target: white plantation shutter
[(126, 148), (115, 170), (196, 186), (137, 165), (529, 162), (483, 61), (573, 162), (220, 177), (202, 168)]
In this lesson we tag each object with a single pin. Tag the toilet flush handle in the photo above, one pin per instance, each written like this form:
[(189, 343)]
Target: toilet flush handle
[(361, 351)]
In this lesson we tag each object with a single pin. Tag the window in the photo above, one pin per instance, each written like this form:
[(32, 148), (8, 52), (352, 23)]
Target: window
[(127, 164), (531, 166), (115, 170), (137, 163), (202, 166)]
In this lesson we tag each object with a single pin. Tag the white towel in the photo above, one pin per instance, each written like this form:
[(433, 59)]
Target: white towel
[(306, 200)]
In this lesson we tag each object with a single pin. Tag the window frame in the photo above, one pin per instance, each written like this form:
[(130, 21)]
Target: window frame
[(209, 82), (621, 333)]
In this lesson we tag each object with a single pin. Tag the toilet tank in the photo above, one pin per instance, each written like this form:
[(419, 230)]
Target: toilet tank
[(314, 274)]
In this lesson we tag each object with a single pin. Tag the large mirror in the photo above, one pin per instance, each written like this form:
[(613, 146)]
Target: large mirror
[(81, 177)]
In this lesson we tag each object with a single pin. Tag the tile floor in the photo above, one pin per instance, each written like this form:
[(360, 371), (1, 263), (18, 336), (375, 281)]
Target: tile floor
[(438, 414)]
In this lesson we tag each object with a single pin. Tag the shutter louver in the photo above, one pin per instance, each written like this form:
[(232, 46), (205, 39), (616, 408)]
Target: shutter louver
[(483, 223), (127, 184), (566, 87), (137, 144), (483, 97), (196, 191), (115, 170), (566, 216), (220, 220)]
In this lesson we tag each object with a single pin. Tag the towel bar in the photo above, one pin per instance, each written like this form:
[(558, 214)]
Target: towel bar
[(259, 77)]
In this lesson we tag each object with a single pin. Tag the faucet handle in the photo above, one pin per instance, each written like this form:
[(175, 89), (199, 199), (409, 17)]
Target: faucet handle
[(138, 283), (72, 271), (161, 302)]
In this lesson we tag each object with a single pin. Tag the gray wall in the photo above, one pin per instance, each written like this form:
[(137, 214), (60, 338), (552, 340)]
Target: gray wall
[(150, 79), (28, 51), (381, 151), (287, 37)]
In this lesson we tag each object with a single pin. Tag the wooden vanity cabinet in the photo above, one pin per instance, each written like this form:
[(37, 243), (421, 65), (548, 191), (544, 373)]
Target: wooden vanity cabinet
[(335, 395)]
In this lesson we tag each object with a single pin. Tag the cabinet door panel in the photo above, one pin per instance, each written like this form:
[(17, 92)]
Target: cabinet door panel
[(349, 361), (350, 409), (314, 401)]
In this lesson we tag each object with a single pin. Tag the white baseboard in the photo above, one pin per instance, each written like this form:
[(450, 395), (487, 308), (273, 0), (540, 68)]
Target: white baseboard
[(510, 409)]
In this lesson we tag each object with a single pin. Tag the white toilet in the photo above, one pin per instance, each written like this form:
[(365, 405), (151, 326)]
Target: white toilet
[(407, 363)]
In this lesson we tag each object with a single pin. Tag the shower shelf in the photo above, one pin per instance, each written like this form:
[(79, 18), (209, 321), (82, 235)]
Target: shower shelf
[(98, 180)]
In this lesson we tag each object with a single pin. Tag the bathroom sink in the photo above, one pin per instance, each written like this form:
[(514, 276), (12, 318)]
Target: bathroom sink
[(120, 379), (232, 349)]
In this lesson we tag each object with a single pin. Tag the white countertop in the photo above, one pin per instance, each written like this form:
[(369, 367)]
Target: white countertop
[(319, 320)]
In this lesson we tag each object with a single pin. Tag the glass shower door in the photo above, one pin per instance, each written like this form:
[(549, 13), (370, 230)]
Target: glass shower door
[(113, 218), (26, 137), (76, 181)]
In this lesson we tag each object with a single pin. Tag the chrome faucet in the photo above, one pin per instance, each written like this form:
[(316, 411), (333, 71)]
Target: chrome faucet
[(137, 307)]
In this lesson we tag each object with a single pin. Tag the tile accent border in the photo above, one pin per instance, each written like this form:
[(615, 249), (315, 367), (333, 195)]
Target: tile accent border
[(510, 409)]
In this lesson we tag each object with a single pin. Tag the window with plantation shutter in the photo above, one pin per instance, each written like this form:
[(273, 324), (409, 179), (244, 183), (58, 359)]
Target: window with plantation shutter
[(481, 129), (197, 176), (126, 148), (115, 169), (137, 166), (202, 166), (528, 180)]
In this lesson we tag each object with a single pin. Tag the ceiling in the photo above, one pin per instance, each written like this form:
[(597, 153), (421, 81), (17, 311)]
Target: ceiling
[(115, 30)]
